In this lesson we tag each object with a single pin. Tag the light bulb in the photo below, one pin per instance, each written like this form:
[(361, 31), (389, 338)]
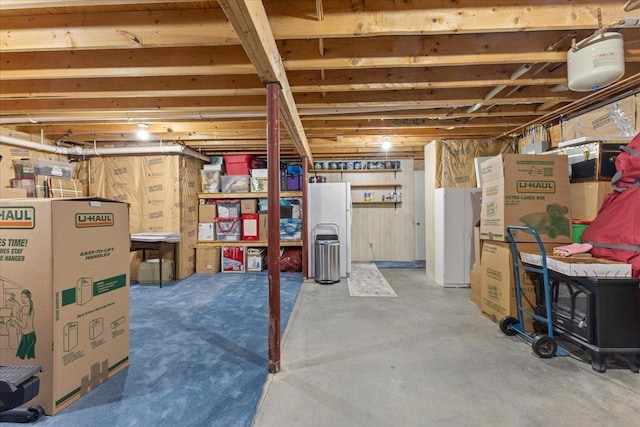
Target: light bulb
[(142, 131)]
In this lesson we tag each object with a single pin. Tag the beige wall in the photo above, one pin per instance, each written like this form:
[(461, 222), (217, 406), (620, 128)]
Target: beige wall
[(389, 229), (161, 192)]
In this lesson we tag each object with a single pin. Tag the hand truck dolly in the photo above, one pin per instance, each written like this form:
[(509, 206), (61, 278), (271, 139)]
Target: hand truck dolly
[(542, 340)]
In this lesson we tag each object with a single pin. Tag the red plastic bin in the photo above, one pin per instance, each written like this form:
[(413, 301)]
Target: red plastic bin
[(238, 164)]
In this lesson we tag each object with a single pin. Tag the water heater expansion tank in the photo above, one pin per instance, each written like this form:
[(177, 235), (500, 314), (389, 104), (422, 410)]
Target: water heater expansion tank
[(597, 63)]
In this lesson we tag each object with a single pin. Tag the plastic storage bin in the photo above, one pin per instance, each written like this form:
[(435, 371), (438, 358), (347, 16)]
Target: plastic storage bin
[(234, 183), (238, 164), (228, 229)]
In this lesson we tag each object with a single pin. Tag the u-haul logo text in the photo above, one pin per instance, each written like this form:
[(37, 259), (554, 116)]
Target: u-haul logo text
[(494, 274), (536, 187), (21, 217), (86, 220)]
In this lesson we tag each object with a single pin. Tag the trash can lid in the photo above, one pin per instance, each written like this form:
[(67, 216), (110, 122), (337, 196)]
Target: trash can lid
[(327, 237)]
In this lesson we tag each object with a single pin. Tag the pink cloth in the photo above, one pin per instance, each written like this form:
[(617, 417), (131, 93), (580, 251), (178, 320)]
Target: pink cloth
[(572, 249)]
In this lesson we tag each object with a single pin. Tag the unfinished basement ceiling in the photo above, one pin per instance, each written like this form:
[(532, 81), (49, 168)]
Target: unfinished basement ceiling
[(354, 72)]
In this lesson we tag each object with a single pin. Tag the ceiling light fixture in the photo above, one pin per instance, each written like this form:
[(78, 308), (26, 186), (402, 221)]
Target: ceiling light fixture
[(386, 145), (143, 134)]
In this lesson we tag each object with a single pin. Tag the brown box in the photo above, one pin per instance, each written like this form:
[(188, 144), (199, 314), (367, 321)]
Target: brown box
[(497, 282), (526, 189), (208, 260), (263, 228), (476, 284), (74, 308), (12, 193), (64, 188), (248, 206), (607, 120), (207, 212), (477, 244), (555, 134), (587, 198)]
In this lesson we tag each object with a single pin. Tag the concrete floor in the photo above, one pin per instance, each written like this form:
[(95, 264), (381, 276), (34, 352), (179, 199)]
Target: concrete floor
[(428, 358)]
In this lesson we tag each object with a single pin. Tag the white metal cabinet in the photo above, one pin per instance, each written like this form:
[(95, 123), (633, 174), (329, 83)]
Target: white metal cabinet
[(456, 210)]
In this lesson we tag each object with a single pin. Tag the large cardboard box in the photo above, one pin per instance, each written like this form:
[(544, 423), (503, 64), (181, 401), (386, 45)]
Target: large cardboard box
[(526, 189), (497, 282), (263, 230), (613, 119), (208, 260), (587, 198), (64, 293), (256, 259), (12, 193), (233, 259), (207, 212)]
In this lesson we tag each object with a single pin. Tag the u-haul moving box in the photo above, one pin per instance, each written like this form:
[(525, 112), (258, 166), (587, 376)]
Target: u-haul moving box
[(64, 293), (526, 189)]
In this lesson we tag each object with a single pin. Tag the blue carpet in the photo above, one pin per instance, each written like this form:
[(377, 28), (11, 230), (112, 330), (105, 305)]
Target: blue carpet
[(198, 355), (400, 264)]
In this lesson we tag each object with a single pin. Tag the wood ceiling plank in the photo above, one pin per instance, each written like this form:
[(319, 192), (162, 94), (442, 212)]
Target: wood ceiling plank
[(445, 44), (116, 30), (425, 61), (123, 87), (382, 17), (125, 63), (7, 5)]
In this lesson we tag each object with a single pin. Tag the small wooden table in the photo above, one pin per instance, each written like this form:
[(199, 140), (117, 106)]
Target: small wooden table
[(162, 247)]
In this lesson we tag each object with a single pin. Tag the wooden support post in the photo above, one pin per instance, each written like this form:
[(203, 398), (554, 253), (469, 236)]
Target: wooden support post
[(273, 207), (305, 222)]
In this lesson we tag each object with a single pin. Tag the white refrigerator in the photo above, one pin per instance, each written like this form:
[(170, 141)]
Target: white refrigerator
[(328, 209)]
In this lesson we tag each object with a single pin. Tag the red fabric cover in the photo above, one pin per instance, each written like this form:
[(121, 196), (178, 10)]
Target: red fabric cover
[(617, 223), (628, 165)]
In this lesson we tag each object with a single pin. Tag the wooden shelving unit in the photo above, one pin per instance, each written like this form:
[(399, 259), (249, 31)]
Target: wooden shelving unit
[(250, 243), (254, 195), (249, 195), (377, 202), (316, 171), (364, 186), (395, 203)]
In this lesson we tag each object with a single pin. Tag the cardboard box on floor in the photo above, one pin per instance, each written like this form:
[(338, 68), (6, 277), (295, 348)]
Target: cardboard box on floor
[(526, 189), (497, 282), (208, 260), (64, 293)]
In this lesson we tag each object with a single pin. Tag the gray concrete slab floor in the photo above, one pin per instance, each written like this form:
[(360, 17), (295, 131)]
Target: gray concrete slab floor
[(428, 358)]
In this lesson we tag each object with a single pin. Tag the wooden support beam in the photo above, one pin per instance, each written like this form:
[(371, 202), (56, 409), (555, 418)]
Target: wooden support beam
[(249, 19)]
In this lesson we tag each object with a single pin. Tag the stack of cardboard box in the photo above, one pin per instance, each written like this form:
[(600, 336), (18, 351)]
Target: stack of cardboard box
[(518, 190)]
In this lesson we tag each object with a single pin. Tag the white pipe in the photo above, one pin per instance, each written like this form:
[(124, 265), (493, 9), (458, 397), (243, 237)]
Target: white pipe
[(9, 140), (520, 71), (494, 92), (8, 120), (475, 107), (88, 152)]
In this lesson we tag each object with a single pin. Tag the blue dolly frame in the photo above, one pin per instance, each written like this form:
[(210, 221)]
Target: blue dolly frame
[(544, 344)]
